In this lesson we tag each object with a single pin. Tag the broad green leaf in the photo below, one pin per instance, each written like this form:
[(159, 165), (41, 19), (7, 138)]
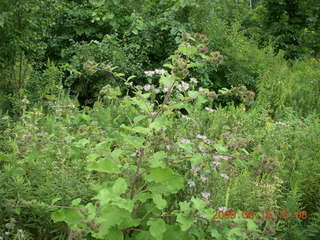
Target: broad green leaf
[(185, 206), (116, 154), (126, 204), (115, 234), (76, 202), (193, 94), (93, 156), (221, 148), (142, 130), (196, 160), (55, 200), (165, 181), (174, 233), (166, 81), (156, 160), (186, 147), (157, 124), (143, 236), (82, 142), (251, 226), (185, 221), (159, 201), (139, 118), (142, 197), (120, 186), (214, 233), (104, 165), (187, 50), (68, 215), (157, 228), (198, 203), (134, 141)]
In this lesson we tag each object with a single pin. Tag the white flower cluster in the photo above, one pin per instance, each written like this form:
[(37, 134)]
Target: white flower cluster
[(185, 141), (156, 71), (209, 109), (183, 86), (205, 195), (225, 176)]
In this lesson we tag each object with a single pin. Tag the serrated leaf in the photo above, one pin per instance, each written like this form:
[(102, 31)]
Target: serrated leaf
[(82, 142), (104, 165), (193, 94), (186, 147), (184, 207), (157, 228), (68, 215), (221, 148), (93, 156), (198, 203), (126, 204), (214, 233), (251, 226), (166, 81), (166, 180), (142, 197), (120, 186), (156, 160), (168, 65), (185, 221), (55, 200), (159, 201), (76, 202), (139, 118), (196, 160)]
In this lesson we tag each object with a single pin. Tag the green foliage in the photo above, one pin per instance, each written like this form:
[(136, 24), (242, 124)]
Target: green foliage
[(294, 87)]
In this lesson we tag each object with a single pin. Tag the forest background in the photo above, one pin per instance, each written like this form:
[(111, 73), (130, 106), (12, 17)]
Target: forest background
[(137, 119)]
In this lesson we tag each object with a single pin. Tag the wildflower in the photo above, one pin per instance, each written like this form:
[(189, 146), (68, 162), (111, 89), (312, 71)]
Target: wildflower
[(225, 176), (202, 149), (25, 100), (205, 195), (196, 169), (167, 89), (147, 87), (216, 164), (149, 73), (185, 141), (222, 209), (40, 134), (183, 86), (201, 137), (193, 80), (168, 147), (280, 123), (209, 109), (191, 183), (207, 141), (203, 178), (186, 117), (160, 71), (153, 114), (223, 157), (157, 90)]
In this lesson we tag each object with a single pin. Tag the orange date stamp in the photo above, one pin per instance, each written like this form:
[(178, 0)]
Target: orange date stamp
[(264, 214)]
